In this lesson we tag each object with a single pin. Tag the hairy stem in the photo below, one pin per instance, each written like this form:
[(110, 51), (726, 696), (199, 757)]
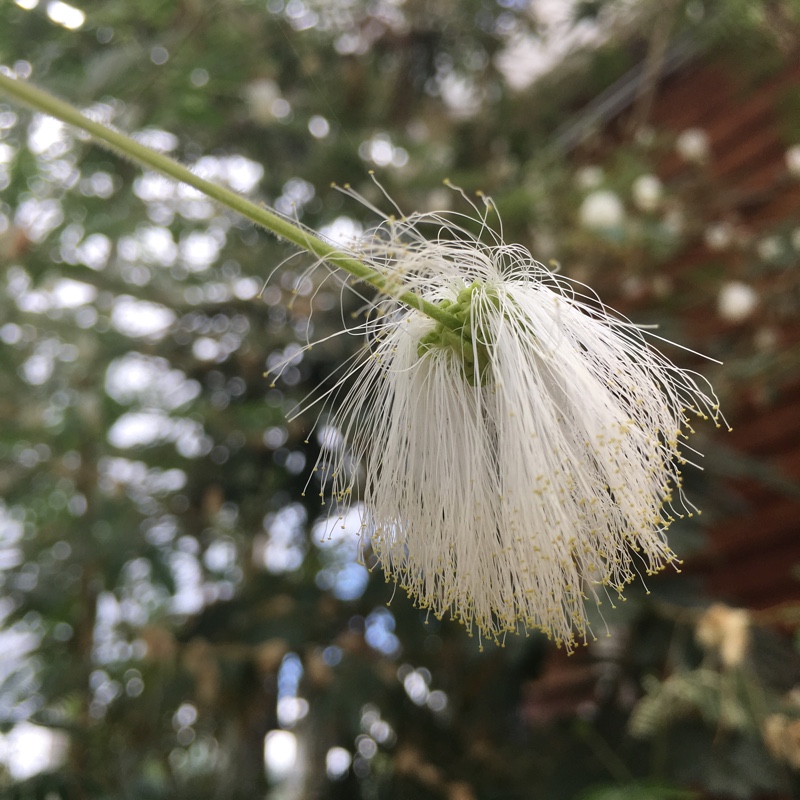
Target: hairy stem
[(283, 227)]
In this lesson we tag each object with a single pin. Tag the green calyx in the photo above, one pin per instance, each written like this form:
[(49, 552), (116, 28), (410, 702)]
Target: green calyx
[(468, 342)]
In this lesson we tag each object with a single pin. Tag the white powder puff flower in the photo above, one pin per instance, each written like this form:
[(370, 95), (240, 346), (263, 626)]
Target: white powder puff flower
[(736, 301), (647, 191), (602, 210), (693, 145), (589, 177), (719, 235), (521, 464), (769, 248), (264, 101)]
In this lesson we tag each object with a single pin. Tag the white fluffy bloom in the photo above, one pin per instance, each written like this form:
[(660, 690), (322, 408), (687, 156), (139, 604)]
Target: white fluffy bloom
[(647, 191), (263, 97), (769, 248), (719, 235), (589, 177), (522, 465), (693, 145), (736, 301), (601, 210)]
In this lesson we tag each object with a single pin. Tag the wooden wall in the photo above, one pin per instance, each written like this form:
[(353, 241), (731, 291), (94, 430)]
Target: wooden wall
[(753, 558)]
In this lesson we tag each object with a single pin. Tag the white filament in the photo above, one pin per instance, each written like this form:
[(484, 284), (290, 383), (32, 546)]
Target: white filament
[(506, 502)]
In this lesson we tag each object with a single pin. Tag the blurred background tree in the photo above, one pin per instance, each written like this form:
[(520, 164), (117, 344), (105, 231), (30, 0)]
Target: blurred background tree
[(179, 619)]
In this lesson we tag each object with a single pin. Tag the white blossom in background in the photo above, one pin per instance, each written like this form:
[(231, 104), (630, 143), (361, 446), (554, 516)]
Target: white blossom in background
[(718, 236), (647, 191), (589, 177), (736, 301), (726, 631), (693, 145), (769, 248), (521, 465), (602, 210), (793, 160), (264, 101)]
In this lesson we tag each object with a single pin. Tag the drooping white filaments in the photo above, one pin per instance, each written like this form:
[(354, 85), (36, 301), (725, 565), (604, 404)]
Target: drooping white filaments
[(522, 465)]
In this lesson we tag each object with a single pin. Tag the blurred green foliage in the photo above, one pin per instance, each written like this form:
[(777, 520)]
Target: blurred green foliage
[(170, 596)]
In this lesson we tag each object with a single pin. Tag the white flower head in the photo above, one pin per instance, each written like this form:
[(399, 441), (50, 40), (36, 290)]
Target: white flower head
[(264, 101), (647, 191), (719, 235), (769, 248), (736, 301), (523, 463), (589, 177), (693, 145), (602, 210)]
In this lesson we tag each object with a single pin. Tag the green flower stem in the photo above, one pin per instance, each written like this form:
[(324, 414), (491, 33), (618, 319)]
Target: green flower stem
[(123, 145)]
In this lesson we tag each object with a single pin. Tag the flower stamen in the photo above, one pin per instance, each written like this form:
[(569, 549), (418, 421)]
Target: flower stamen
[(522, 459)]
